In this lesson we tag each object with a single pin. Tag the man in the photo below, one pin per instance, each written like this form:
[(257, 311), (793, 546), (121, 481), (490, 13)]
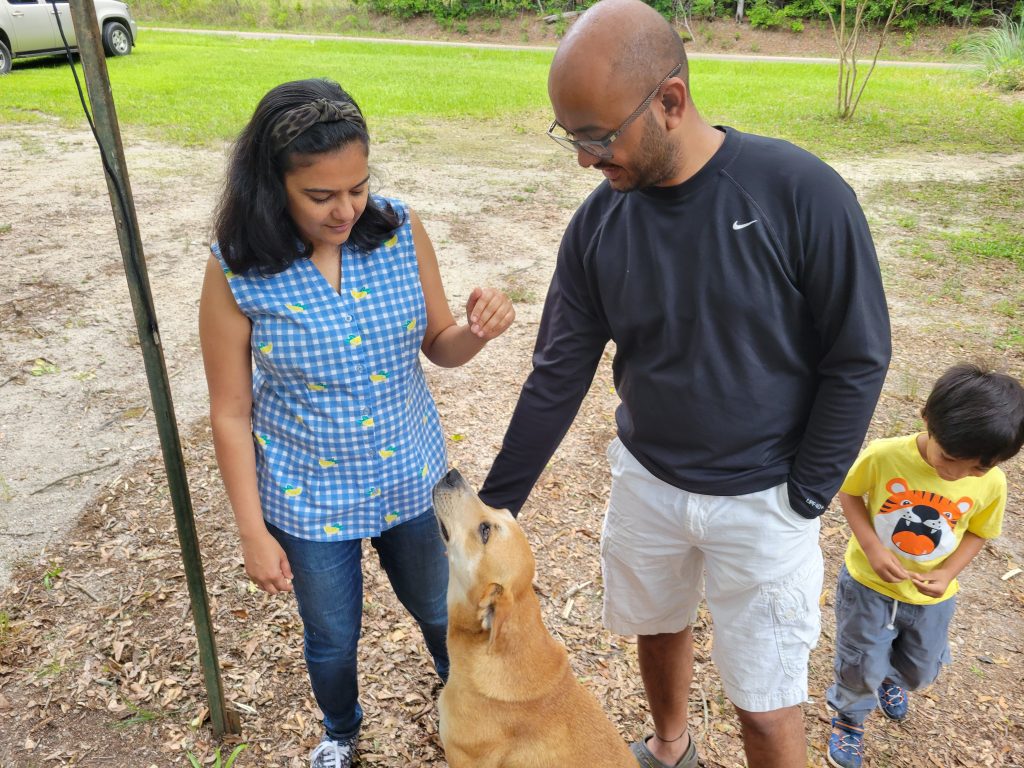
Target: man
[(737, 277)]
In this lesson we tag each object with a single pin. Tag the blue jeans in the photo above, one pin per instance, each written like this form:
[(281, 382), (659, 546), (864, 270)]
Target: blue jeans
[(872, 645), (328, 581)]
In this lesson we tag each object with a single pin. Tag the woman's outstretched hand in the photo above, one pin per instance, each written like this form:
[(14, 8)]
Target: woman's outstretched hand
[(490, 313)]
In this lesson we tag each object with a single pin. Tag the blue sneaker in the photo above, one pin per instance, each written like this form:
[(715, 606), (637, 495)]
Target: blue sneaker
[(845, 744), (892, 700)]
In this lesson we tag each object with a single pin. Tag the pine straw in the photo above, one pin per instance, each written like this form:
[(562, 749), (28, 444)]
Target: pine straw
[(98, 654), (102, 667)]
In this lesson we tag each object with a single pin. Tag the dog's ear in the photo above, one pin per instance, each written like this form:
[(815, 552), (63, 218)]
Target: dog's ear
[(493, 608)]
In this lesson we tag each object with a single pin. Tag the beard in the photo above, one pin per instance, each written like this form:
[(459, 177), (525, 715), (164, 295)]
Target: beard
[(655, 160)]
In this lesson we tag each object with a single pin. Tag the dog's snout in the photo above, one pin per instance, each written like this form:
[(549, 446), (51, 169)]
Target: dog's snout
[(452, 479), (454, 482), (447, 493)]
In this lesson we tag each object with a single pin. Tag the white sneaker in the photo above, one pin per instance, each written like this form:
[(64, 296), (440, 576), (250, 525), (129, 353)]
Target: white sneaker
[(332, 754)]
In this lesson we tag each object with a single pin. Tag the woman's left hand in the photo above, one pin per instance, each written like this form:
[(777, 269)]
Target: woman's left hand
[(490, 313)]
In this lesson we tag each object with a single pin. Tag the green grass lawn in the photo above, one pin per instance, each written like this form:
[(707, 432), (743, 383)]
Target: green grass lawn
[(196, 89)]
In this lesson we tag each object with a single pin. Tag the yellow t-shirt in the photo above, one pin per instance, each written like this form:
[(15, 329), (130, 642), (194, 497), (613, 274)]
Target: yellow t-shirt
[(918, 515)]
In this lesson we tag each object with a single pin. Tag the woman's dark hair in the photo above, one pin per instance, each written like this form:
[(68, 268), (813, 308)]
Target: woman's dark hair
[(252, 224), (976, 413)]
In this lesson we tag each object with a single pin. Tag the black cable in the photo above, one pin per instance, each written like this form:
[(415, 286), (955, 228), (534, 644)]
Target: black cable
[(122, 198)]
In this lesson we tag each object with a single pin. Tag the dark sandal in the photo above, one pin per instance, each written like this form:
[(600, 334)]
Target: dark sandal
[(646, 758)]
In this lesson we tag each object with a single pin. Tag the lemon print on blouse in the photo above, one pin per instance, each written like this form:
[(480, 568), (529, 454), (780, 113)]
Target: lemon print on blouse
[(390, 518), (296, 307), (262, 440), (354, 340), (392, 242), (366, 421), (373, 493), (423, 472), (292, 490), (316, 387), (387, 453), (267, 348), (331, 529), (360, 293), (228, 273), (411, 325), (325, 463), (378, 376)]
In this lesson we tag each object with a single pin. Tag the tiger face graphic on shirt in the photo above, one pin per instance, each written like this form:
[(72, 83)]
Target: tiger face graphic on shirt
[(919, 524)]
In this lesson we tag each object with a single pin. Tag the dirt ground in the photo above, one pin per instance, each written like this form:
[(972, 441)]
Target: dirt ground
[(98, 660)]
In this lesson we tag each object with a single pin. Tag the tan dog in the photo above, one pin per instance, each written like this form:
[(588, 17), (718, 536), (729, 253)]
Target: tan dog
[(511, 700)]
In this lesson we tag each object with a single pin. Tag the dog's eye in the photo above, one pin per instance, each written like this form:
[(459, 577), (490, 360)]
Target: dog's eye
[(485, 532)]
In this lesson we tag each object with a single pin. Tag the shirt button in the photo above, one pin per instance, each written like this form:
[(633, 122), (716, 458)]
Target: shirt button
[(347, 318)]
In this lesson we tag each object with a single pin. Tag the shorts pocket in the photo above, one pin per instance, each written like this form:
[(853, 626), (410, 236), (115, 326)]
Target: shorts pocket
[(787, 512), (796, 618), (613, 453)]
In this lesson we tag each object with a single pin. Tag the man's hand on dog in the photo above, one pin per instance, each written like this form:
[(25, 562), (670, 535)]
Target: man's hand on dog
[(490, 313), (266, 563)]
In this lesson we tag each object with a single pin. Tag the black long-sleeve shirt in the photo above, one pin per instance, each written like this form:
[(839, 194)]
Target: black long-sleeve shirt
[(750, 327)]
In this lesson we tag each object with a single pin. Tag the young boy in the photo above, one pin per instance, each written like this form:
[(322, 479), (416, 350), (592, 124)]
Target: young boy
[(920, 508)]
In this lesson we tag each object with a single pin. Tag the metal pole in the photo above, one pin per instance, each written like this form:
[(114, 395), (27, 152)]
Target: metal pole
[(90, 48)]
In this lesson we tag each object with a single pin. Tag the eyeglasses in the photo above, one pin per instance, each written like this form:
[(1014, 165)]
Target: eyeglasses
[(599, 147)]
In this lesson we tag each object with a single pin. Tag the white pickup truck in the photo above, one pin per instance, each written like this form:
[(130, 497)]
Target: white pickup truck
[(29, 28)]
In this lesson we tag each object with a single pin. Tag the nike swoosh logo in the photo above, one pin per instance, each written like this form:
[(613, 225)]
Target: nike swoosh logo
[(737, 225)]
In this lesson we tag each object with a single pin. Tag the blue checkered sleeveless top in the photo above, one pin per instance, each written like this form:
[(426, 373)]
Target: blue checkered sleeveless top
[(347, 436)]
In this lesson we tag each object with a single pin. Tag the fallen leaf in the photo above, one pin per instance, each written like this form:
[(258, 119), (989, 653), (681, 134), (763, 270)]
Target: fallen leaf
[(42, 366)]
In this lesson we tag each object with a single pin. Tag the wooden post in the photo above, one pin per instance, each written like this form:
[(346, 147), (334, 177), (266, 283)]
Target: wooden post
[(90, 49)]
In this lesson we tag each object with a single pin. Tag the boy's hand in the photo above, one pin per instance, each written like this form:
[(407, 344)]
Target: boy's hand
[(887, 565), (490, 313), (934, 583)]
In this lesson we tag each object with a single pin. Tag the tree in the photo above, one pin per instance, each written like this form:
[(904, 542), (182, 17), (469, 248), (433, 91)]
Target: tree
[(848, 26)]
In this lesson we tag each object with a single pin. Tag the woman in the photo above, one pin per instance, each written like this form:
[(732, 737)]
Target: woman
[(316, 303)]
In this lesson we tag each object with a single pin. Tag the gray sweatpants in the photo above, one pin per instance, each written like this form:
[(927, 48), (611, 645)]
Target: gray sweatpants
[(878, 638)]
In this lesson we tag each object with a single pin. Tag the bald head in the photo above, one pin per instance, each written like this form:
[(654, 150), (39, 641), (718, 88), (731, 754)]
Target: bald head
[(619, 44)]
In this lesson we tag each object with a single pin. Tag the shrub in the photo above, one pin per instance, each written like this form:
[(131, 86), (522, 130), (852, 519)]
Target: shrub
[(999, 54), (764, 15), (323, 14), (705, 9)]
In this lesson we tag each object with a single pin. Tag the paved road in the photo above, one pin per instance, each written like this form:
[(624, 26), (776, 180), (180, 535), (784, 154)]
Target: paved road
[(502, 46)]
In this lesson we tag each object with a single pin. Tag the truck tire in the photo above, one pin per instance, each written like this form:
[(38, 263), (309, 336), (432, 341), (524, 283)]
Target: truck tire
[(116, 39)]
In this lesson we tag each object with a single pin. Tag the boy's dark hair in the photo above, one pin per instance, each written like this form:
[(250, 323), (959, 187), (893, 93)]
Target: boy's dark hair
[(252, 225), (975, 413)]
